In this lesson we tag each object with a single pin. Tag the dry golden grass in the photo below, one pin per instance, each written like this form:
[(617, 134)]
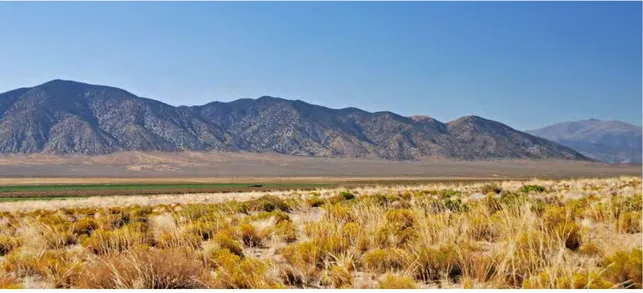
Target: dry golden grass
[(539, 234)]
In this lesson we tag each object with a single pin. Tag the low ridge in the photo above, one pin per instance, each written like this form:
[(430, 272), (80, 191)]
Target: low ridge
[(608, 141)]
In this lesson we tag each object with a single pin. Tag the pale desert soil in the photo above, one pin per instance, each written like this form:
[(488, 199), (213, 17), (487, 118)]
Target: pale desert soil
[(243, 164)]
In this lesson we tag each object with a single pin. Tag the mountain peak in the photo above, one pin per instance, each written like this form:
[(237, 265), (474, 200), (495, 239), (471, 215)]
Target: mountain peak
[(473, 117), (57, 80), (63, 82), (469, 118), (422, 118), (269, 98)]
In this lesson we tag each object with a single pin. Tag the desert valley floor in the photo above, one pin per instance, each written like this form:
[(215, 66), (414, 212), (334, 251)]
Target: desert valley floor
[(228, 166)]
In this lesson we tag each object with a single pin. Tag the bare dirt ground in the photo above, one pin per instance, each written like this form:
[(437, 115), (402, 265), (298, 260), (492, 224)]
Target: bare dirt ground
[(231, 167)]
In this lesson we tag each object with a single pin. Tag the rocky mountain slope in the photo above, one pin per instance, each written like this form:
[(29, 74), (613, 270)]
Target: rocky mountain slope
[(67, 117), (608, 141)]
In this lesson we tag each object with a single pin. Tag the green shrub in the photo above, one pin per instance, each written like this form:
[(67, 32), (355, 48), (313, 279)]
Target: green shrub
[(346, 195), (512, 199), (532, 188), (268, 203), (447, 193), (455, 205)]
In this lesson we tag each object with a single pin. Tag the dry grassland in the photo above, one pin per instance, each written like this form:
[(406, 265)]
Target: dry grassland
[(583, 233)]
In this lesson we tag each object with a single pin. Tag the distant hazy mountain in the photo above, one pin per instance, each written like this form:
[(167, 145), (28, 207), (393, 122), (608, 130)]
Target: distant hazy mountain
[(67, 117), (608, 141)]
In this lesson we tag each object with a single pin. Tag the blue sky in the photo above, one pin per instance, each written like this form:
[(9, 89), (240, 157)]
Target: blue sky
[(526, 64)]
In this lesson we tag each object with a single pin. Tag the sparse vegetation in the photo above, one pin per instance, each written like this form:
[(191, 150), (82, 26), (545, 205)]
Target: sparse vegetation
[(491, 188), (544, 234), (396, 282), (532, 188)]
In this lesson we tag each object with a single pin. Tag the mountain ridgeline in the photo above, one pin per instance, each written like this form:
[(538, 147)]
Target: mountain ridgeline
[(607, 141), (67, 117)]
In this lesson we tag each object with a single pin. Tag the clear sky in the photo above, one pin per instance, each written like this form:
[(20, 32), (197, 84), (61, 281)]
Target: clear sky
[(526, 64)]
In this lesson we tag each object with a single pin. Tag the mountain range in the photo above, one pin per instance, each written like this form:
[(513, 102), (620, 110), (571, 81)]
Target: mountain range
[(607, 141), (68, 117)]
